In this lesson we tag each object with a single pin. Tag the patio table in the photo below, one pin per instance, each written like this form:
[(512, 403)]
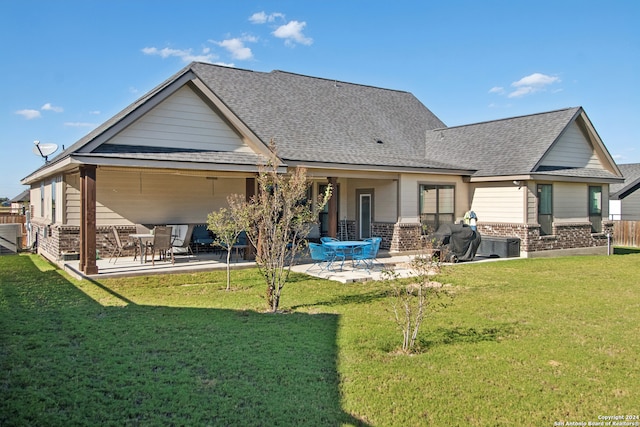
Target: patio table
[(141, 237), (346, 245)]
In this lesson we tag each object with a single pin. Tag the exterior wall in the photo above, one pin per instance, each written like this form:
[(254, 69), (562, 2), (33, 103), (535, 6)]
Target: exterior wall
[(58, 241), (183, 120), (566, 236), (570, 202), (409, 198), (384, 198), (499, 202), (573, 149), (631, 207), (126, 197)]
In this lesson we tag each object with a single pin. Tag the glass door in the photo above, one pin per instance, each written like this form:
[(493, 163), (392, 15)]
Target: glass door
[(365, 216)]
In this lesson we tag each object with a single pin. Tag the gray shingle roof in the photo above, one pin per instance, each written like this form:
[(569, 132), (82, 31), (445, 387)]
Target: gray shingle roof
[(326, 121), (510, 146), (631, 172), (320, 120)]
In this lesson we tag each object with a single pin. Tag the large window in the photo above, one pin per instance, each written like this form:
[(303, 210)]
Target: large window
[(595, 208), (437, 205), (545, 208)]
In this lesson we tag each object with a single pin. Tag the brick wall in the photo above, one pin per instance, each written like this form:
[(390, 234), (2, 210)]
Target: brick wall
[(407, 237), (54, 240), (565, 235)]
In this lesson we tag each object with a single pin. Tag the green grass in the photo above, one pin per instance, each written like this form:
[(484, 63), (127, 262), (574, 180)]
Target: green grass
[(525, 342)]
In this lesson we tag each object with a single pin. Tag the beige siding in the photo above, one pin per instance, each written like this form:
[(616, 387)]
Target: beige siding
[(384, 199), (572, 150), (631, 207), (532, 203), (499, 202), (570, 202), (185, 121), (148, 198)]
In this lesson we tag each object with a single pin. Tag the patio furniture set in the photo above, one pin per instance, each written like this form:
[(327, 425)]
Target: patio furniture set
[(331, 251), (166, 241)]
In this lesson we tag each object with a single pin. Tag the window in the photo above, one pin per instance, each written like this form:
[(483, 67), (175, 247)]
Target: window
[(595, 208), (545, 208), (42, 199), (437, 205), (53, 200)]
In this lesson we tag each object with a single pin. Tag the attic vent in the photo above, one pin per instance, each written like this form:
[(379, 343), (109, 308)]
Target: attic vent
[(380, 141)]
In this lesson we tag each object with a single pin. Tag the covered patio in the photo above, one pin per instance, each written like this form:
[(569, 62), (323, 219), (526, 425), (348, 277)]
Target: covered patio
[(127, 266)]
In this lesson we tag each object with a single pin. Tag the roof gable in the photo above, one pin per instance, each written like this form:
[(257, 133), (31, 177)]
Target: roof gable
[(571, 150), (631, 172), (503, 147), (542, 143), (183, 121)]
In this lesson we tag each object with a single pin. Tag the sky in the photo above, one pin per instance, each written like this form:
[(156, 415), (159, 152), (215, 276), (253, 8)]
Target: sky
[(69, 65)]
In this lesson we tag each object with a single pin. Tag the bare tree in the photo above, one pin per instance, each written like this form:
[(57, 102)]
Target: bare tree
[(415, 297), (227, 230), (277, 220)]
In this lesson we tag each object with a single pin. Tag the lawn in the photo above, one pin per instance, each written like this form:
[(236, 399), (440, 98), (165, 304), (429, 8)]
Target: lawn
[(524, 342)]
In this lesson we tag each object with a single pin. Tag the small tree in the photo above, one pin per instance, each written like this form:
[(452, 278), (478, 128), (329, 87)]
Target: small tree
[(413, 298), (227, 230), (277, 220)]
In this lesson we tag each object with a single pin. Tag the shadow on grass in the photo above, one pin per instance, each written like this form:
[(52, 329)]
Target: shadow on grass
[(360, 298), (458, 335), (625, 251), (66, 359)]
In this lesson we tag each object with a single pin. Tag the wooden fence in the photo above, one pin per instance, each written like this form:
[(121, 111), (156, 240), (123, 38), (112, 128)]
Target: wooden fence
[(626, 233), (12, 218)]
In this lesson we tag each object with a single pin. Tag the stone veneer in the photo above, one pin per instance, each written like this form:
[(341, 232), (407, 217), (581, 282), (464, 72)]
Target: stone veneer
[(407, 237), (57, 241)]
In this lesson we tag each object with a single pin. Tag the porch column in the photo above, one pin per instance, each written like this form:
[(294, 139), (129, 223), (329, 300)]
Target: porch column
[(88, 219), (332, 225), (249, 192)]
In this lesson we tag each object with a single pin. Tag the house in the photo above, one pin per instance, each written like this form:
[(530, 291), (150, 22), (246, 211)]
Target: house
[(624, 197), (20, 203), (175, 155)]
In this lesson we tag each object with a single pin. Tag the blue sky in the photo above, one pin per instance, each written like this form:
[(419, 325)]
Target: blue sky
[(70, 65)]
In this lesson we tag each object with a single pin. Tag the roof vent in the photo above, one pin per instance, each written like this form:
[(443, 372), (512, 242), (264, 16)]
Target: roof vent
[(380, 141)]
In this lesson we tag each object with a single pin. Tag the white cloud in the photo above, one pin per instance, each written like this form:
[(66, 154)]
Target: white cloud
[(535, 82), (292, 33), (237, 48), (262, 17), (185, 54), (79, 124), (49, 107), (29, 114), (94, 113), (497, 89)]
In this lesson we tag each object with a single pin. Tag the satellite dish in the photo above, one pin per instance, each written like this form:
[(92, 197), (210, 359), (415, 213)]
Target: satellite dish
[(44, 150)]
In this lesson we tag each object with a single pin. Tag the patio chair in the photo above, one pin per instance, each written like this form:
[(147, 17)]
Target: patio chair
[(181, 243), (119, 246), (322, 255), (201, 237), (326, 239), (161, 244), (366, 255)]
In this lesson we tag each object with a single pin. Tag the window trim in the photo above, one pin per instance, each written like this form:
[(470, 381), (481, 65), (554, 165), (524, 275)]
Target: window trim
[(438, 186), (543, 230)]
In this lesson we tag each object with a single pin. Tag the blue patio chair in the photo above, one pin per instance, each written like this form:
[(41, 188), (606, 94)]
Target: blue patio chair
[(337, 252), (366, 255), (323, 257)]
